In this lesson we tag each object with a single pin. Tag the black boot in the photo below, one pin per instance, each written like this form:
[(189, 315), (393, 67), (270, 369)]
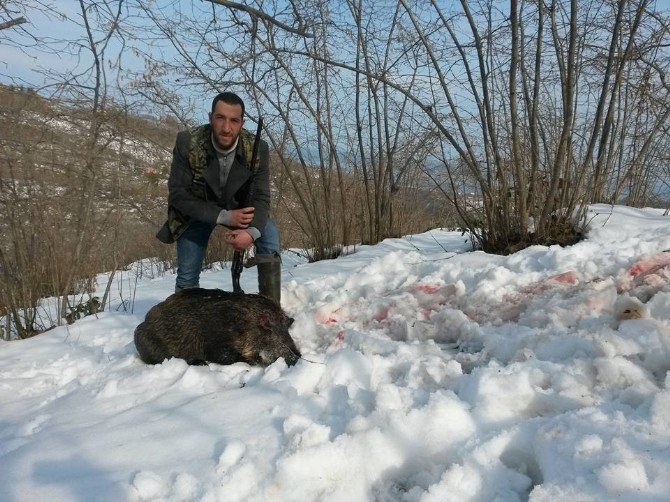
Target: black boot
[(269, 276)]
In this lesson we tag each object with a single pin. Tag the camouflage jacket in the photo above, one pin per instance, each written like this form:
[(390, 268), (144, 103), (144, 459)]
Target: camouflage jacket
[(194, 191)]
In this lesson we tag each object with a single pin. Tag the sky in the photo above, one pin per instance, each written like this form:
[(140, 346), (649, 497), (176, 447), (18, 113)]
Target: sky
[(429, 372), (44, 66), (62, 51), (21, 59), (22, 64)]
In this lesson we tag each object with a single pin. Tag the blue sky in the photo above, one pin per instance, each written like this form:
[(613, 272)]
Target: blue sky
[(37, 66), (40, 67), (20, 61), (29, 65)]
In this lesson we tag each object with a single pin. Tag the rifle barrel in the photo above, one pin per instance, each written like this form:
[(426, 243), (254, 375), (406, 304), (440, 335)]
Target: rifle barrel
[(237, 265)]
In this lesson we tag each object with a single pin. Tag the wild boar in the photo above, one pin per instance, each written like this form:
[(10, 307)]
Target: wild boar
[(211, 325)]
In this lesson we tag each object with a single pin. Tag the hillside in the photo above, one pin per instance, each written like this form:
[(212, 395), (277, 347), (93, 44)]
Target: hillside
[(42, 143)]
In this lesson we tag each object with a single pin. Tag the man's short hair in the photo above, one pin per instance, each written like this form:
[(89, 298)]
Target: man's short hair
[(230, 98)]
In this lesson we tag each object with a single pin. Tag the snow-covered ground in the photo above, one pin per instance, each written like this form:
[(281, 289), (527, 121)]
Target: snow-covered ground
[(430, 373)]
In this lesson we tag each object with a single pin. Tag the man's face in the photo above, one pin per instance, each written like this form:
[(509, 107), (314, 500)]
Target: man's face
[(226, 122)]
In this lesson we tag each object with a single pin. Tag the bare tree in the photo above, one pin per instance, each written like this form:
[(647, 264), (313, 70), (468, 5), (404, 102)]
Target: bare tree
[(534, 98), (333, 131), (62, 188)]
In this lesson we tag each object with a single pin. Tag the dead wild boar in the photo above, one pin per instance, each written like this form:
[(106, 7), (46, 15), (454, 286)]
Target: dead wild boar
[(211, 325)]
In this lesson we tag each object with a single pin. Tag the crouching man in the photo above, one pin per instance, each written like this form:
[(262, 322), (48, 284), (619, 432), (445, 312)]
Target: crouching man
[(210, 177)]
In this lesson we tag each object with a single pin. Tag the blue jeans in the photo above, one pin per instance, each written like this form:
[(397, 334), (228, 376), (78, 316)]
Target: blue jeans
[(192, 244)]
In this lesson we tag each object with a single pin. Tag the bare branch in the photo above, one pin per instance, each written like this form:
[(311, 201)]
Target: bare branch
[(13, 22), (259, 14)]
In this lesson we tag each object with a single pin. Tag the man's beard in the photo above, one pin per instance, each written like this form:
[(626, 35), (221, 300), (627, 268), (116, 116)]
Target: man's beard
[(226, 146)]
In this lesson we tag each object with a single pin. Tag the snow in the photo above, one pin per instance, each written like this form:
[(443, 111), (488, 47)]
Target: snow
[(429, 373)]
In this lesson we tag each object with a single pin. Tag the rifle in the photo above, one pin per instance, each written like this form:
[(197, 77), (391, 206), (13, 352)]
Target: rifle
[(237, 265)]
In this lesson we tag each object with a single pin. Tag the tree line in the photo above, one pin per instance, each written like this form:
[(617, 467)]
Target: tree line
[(504, 119), (536, 108)]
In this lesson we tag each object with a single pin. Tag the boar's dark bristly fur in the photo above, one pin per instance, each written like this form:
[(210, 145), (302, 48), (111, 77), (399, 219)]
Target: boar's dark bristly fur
[(211, 325)]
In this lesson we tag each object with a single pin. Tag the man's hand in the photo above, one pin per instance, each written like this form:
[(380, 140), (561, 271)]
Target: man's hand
[(241, 218), (239, 239)]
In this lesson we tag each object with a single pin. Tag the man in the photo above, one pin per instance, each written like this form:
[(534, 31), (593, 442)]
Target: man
[(210, 178)]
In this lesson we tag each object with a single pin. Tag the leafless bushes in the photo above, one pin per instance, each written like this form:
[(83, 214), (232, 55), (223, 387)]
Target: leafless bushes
[(567, 97), (349, 148), (68, 212), (521, 112)]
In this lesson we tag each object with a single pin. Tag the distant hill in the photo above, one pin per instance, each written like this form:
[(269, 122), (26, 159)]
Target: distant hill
[(43, 146)]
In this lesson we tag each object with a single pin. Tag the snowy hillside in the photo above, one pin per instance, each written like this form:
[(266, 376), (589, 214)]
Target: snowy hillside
[(430, 373)]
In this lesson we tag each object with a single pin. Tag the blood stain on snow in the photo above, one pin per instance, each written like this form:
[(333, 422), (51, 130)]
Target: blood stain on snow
[(429, 289), (564, 278), (327, 318), (650, 264)]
